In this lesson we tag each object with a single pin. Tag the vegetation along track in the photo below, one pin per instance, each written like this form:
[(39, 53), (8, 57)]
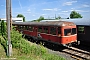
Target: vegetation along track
[(77, 53), (74, 52)]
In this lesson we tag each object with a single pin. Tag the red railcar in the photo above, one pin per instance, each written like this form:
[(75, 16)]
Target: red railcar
[(60, 32)]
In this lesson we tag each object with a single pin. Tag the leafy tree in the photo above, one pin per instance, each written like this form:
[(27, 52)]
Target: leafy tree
[(40, 18), (74, 14), (2, 27), (20, 15), (59, 17)]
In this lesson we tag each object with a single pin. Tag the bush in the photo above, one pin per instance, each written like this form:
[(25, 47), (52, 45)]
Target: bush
[(24, 46)]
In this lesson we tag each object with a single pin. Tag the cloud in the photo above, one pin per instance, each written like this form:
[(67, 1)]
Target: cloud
[(86, 5), (64, 14), (4, 14), (28, 10), (47, 9), (69, 3), (64, 11), (33, 15), (44, 14), (2, 5), (80, 10), (54, 9)]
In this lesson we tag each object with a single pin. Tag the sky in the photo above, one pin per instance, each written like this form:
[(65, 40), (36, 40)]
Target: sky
[(33, 9)]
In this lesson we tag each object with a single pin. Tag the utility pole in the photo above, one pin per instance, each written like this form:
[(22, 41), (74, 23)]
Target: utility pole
[(8, 18)]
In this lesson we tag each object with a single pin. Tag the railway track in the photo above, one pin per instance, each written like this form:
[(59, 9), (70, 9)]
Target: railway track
[(77, 53)]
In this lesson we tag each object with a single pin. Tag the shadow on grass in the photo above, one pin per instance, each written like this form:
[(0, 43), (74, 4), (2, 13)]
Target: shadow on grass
[(5, 48), (4, 44)]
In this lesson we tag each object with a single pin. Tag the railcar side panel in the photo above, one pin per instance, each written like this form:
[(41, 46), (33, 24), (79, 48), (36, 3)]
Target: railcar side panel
[(59, 34)]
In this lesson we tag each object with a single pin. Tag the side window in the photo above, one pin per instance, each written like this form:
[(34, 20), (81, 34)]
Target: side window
[(81, 29), (73, 31), (26, 27), (45, 30), (39, 29), (59, 31), (53, 30), (20, 27), (67, 32), (31, 28)]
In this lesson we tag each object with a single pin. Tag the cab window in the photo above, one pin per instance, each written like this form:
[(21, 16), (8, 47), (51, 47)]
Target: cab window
[(67, 32), (73, 31)]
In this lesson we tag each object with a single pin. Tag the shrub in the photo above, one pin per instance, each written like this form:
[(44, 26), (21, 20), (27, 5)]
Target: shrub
[(24, 46)]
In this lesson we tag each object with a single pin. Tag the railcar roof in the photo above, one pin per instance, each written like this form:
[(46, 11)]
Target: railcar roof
[(51, 23), (82, 21)]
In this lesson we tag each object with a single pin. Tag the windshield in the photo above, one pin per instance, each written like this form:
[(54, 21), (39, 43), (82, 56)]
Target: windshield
[(68, 32)]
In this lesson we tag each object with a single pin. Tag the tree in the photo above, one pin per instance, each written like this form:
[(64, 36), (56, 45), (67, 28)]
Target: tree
[(40, 18), (67, 17), (74, 14), (20, 15), (3, 27), (58, 17)]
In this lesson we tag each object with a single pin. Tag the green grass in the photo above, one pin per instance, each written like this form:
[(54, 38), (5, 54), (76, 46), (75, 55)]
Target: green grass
[(30, 56), (2, 52)]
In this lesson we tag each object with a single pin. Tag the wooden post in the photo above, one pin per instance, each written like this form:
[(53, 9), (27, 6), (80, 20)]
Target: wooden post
[(8, 18)]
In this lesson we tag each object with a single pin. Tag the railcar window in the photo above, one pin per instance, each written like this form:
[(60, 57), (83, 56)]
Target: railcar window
[(59, 30), (19, 27), (73, 31), (45, 30), (22, 27), (26, 27), (30, 28), (67, 32), (81, 29), (53, 30), (40, 29)]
